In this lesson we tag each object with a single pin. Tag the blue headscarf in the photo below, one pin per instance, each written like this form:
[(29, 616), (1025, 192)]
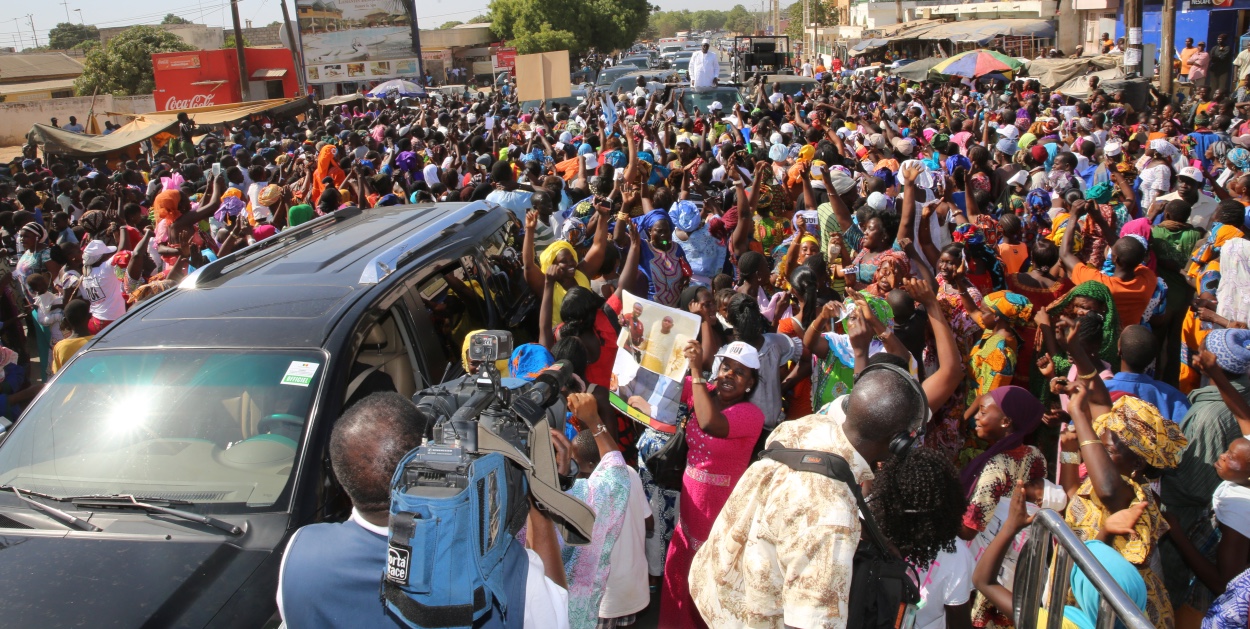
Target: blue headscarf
[(616, 158), (528, 360), (645, 222), (584, 148), (957, 161), (685, 215), (1087, 598), (658, 173)]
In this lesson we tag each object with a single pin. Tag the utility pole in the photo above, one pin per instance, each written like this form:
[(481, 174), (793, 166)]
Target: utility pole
[(65, 4), (31, 17), (297, 50), (1167, 47), (80, 20), (238, 50), (1132, 30), (807, 21)]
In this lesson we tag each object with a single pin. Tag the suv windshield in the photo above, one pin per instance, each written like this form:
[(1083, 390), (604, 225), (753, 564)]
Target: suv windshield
[(204, 426), (728, 97)]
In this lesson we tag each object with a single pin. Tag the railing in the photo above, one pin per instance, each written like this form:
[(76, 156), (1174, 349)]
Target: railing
[(1031, 580)]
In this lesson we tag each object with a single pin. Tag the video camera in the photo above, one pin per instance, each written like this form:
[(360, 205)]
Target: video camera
[(459, 500)]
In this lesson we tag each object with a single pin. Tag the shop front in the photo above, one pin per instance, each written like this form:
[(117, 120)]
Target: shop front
[(211, 77), (1201, 20)]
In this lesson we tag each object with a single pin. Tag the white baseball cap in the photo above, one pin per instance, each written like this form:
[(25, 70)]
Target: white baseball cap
[(715, 106), (741, 352), (787, 128), (705, 42), (878, 201), (1112, 148), (1019, 179), (1191, 173), (1009, 131)]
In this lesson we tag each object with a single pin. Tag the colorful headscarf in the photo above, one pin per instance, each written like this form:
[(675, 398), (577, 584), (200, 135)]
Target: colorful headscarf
[(1014, 307), (1231, 347), (39, 231), (880, 308), (685, 215), (1059, 226), (270, 195), (1204, 266), (230, 207), (327, 166), (1100, 193), (1240, 158), (888, 260), (529, 360), (975, 245), (1088, 600), (299, 214), (1139, 425), (165, 205), (645, 222), (1107, 351), (546, 259)]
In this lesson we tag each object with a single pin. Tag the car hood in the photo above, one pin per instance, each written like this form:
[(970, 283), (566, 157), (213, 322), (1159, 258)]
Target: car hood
[(96, 580)]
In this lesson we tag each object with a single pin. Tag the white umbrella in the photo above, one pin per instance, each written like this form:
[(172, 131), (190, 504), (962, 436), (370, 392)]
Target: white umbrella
[(397, 86)]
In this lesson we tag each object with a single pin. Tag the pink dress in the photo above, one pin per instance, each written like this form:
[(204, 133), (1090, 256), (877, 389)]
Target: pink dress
[(713, 467)]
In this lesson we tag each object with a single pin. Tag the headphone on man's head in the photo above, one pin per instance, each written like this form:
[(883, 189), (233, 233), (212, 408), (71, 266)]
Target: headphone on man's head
[(903, 442)]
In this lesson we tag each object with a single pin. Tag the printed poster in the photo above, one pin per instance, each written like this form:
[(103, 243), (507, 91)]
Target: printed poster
[(651, 363)]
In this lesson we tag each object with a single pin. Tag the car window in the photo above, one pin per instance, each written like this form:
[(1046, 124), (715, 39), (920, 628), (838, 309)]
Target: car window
[(219, 427)]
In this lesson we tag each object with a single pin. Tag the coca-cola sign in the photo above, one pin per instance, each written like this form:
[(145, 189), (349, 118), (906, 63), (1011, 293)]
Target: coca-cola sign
[(199, 100)]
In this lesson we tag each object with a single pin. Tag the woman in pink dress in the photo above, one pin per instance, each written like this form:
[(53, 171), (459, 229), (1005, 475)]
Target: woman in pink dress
[(721, 436)]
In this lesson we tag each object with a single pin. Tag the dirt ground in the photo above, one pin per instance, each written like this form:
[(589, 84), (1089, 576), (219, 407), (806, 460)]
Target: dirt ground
[(7, 153)]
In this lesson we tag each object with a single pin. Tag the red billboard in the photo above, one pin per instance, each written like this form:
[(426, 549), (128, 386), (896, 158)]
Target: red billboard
[(211, 77)]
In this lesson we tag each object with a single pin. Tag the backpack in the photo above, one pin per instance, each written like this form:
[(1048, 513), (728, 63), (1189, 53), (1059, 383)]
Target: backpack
[(883, 593)]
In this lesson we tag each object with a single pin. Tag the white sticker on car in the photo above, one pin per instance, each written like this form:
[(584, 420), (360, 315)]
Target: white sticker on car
[(300, 373)]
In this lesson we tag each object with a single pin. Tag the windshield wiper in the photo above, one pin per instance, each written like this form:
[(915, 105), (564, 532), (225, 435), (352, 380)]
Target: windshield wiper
[(127, 500), (52, 512)]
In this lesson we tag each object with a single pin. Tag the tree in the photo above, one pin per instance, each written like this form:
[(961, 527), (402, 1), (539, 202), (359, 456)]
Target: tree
[(229, 42), (667, 23), (707, 20), (545, 40), (450, 24), (123, 66), (739, 20), (480, 19), (819, 12), (602, 24), (170, 18), (273, 24), (67, 35)]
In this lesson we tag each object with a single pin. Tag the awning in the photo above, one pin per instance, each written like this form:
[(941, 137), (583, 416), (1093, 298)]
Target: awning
[(268, 73), (1054, 72), (917, 70), (346, 98), (865, 44), (144, 126), (1078, 86), (982, 31), (36, 86)]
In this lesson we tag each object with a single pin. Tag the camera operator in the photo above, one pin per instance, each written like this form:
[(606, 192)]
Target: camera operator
[(330, 571)]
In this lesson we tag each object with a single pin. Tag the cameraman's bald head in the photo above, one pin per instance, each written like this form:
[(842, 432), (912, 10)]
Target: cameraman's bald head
[(882, 405), (367, 444)]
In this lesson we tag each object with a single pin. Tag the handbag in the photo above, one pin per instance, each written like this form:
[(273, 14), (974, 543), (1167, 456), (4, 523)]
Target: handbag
[(668, 465)]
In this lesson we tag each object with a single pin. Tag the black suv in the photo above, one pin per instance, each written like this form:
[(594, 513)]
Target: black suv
[(157, 478)]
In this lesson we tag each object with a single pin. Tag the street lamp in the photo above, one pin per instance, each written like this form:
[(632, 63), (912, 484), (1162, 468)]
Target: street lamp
[(79, 12)]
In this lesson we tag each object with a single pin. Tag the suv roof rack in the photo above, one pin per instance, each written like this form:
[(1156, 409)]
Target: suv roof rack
[(405, 251), (218, 267)]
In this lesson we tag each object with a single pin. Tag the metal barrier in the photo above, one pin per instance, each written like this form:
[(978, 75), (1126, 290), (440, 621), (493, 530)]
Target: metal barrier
[(1031, 580)]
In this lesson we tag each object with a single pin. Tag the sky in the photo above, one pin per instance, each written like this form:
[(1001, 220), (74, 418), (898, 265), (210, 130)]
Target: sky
[(15, 27)]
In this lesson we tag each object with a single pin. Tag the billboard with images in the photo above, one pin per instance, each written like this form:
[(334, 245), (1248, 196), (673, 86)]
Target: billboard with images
[(358, 40)]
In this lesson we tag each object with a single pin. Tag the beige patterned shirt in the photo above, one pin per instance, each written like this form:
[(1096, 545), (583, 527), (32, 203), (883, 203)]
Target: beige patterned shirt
[(781, 549)]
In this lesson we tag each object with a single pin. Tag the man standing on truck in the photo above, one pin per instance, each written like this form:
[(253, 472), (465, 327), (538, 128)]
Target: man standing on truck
[(703, 69)]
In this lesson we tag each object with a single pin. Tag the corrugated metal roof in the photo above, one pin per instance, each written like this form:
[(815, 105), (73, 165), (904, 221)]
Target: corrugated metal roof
[(42, 66)]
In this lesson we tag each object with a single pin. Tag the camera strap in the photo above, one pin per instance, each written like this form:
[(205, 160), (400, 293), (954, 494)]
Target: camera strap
[(573, 517)]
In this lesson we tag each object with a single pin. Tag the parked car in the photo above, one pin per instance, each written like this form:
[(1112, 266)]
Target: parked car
[(216, 399), (608, 75), (575, 98)]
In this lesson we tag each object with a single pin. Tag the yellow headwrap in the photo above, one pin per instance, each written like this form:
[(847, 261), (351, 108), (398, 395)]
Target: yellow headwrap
[(1139, 425), (545, 260)]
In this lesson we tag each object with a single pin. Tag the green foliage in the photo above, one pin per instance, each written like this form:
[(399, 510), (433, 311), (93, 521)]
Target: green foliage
[(545, 40), (123, 66), (480, 19), (707, 20), (274, 23), (602, 24), (450, 24), (667, 23), (229, 43), (66, 35), (170, 18), (739, 20), (819, 12)]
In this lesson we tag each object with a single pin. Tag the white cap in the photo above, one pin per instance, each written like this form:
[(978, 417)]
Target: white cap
[(705, 42), (1191, 173), (1019, 179), (1112, 148), (774, 138), (878, 201), (96, 249), (715, 106), (742, 353), (787, 128), (1009, 131)]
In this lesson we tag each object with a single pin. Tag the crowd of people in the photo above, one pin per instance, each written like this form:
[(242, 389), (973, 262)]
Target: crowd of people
[(1060, 287)]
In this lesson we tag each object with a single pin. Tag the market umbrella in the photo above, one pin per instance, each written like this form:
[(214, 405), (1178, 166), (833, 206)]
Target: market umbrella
[(396, 86), (971, 65)]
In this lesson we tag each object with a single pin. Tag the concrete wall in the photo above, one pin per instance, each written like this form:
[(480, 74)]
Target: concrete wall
[(199, 36), (16, 119), (262, 36)]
